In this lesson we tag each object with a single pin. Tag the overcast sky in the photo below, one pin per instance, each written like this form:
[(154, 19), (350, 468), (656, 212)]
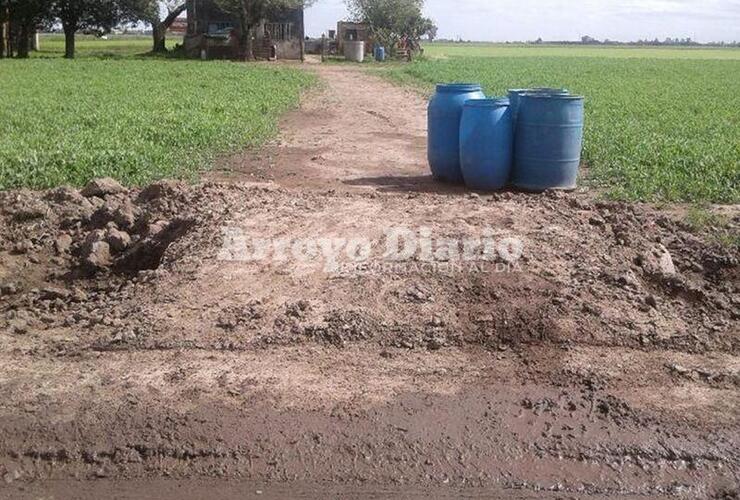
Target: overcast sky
[(515, 20)]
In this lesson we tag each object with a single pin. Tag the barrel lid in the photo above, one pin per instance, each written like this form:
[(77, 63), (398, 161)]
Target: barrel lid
[(565, 97), (459, 87), (548, 90), (539, 90), (495, 102)]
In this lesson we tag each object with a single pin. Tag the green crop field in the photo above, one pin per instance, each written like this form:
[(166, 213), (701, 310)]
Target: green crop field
[(661, 124), (134, 118), (442, 50), (91, 46)]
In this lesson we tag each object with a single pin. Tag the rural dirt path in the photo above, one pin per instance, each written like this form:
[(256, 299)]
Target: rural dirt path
[(604, 361), (356, 132)]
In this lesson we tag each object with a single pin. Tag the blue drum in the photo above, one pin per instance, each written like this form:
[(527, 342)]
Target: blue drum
[(444, 115), (549, 139), (486, 144)]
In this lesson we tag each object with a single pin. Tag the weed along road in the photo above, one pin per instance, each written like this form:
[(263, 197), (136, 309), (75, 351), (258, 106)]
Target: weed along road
[(319, 317)]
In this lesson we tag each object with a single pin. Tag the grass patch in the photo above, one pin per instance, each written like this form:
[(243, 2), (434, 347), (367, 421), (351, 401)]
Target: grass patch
[(657, 129), (701, 218), (719, 227), (135, 119), (52, 45), (482, 49)]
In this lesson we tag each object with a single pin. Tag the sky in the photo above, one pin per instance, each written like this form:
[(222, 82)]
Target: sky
[(522, 20)]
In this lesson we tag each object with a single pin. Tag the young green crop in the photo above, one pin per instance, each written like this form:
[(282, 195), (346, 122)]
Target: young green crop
[(482, 49), (656, 129), (91, 46), (64, 122)]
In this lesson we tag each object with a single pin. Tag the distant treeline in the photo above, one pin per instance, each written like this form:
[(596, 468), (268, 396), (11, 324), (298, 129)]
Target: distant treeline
[(587, 40)]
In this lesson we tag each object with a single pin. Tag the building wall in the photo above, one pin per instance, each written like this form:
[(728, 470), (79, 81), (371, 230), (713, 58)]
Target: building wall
[(290, 50), (361, 30), (205, 18)]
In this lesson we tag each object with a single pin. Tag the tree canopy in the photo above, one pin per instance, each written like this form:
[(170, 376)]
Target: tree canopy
[(160, 14), (392, 20), (100, 16), (25, 16)]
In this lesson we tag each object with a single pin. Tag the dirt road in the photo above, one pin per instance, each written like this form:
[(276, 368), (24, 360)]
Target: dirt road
[(582, 349), (356, 132)]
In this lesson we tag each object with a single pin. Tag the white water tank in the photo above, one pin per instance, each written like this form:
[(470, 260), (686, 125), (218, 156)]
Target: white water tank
[(354, 51)]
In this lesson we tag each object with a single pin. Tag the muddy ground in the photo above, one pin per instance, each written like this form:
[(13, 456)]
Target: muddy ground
[(142, 354)]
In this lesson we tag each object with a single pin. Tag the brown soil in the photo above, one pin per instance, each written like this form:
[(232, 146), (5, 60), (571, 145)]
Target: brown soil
[(603, 363)]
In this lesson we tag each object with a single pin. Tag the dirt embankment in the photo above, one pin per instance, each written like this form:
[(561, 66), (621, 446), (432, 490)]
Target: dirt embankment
[(136, 342)]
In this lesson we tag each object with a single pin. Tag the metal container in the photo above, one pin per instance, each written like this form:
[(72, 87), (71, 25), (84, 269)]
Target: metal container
[(486, 143), (548, 143), (354, 51), (444, 114)]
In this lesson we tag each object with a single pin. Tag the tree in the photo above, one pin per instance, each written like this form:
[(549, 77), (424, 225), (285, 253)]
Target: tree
[(76, 15), (4, 21), (159, 13), (250, 13), (23, 16), (589, 40), (393, 20), (432, 33), (418, 28)]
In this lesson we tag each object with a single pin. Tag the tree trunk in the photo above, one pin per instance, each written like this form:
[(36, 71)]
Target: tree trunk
[(24, 42), (11, 41), (245, 44), (2, 39), (250, 45), (246, 51), (159, 43), (69, 42), (159, 29), (4, 32)]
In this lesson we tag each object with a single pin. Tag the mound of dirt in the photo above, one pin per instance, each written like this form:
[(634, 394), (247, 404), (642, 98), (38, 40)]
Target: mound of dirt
[(602, 274)]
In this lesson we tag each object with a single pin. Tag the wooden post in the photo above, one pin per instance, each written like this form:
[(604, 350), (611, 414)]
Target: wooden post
[(35, 41), (323, 48)]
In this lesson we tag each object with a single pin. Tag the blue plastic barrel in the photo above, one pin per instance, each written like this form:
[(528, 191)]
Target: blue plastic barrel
[(515, 94), (486, 144), (549, 138), (444, 114), (380, 54)]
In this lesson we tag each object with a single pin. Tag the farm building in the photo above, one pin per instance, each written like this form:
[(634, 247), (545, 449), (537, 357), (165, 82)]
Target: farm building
[(179, 27), (347, 31), (209, 33)]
